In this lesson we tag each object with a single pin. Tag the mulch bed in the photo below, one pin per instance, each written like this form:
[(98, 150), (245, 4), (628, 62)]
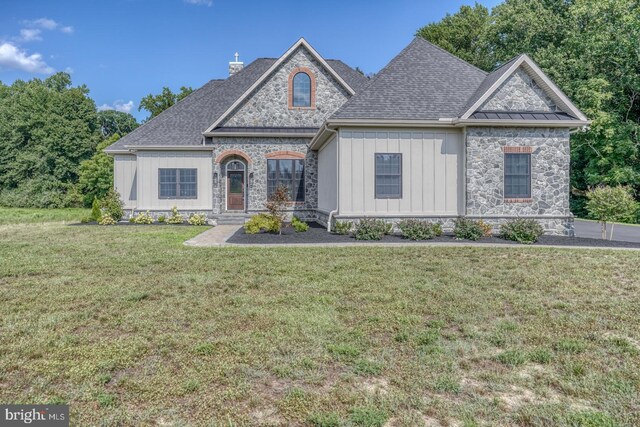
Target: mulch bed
[(318, 234)]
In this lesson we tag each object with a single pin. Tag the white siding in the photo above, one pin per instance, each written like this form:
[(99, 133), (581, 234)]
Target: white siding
[(150, 161), (328, 176), (124, 178), (432, 172)]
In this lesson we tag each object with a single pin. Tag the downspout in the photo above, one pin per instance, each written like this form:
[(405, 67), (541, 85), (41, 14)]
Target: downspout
[(335, 211)]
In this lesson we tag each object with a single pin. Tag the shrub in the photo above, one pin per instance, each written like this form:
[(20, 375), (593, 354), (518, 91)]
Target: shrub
[(487, 229), (107, 220), (162, 218), (342, 227), (608, 204), (276, 205), (371, 229), (465, 228), (96, 214), (415, 229), (521, 230), (143, 218), (132, 219), (299, 225), (176, 217), (261, 222), (86, 219), (198, 219), (112, 205)]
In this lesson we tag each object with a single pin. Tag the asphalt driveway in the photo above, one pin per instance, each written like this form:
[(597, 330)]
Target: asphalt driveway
[(627, 233)]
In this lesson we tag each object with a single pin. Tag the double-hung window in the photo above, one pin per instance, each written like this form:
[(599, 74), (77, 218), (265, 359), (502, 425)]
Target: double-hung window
[(388, 175), (288, 173), (178, 183), (517, 175)]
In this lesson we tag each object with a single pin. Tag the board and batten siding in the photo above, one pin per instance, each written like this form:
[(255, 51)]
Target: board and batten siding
[(125, 179), (432, 172), (148, 193), (328, 173)]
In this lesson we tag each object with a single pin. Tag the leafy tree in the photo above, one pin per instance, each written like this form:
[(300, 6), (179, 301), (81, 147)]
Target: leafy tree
[(464, 35), (609, 204), (156, 104), (96, 173), (277, 204), (112, 122), (47, 127), (590, 49)]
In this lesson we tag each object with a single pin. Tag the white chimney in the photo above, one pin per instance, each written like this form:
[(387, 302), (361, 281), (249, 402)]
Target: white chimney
[(235, 66)]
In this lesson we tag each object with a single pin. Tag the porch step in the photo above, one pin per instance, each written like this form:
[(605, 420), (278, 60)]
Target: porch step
[(232, 219)]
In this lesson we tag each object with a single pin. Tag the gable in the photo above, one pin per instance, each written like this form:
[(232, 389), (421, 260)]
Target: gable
[(519, 92), (268, 104)]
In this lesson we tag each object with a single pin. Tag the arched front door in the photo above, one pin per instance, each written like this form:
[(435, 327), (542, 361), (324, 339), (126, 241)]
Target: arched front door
[(235, 186)]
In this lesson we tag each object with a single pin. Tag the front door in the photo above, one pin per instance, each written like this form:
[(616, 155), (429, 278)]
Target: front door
[(235, 191)]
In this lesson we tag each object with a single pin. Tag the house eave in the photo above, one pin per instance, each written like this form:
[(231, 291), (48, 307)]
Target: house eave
[(134, 148)]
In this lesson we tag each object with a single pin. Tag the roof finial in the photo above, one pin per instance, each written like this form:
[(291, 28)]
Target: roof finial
[(236, 55)]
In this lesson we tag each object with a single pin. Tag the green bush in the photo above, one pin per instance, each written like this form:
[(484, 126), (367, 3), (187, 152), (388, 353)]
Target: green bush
[(198, 219), (342, 227), (371, 229), (299, 225), (176, 217), (469, 229), (522, 230), (96, 213), (416, 229), (112, 205), (86, 219), (107, 220), (143, 218), (162, 218), (261, 222)]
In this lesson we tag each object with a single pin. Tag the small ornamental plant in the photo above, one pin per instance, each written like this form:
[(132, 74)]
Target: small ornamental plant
[(143, 218), (371, 229), (176, 217), (198, 219), (342, 227), (96, 213), (107, 220), (416, 229), (609, 204), (522, 230), (469, 229), (261, 222), (298, 225), (276, 205), (112, 205)]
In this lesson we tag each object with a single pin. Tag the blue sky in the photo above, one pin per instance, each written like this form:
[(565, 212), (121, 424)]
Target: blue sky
[(125, 49)]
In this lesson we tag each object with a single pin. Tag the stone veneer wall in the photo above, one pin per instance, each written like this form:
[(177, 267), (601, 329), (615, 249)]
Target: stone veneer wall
[(549, 176), (268, 104), (519, 93), (256, 149)]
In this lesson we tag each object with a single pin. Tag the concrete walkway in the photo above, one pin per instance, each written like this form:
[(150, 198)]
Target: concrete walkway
[(622, 232), (216, 236)]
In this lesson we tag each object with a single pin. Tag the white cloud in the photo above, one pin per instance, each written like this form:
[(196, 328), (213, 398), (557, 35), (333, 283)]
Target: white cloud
[(200, 2), (46, 24), (12, 57), (118, 105), (30, 34)]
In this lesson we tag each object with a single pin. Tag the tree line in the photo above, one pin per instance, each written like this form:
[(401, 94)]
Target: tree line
[(591, 49), (51, 141)]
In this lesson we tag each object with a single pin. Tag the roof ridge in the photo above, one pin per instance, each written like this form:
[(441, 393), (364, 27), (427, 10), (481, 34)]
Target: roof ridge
[(451, 54)]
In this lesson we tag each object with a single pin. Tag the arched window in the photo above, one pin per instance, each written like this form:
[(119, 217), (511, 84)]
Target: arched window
[(301, 90)]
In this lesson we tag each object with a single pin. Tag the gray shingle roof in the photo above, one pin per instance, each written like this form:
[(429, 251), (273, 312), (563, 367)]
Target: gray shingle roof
[(423, 82), (184, 122), (263, 129), (520, 115)]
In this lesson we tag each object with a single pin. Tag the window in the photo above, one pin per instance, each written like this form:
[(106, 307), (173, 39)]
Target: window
[(301, 90), (517, 176), (288, 173), (388, 176), (178, 183)]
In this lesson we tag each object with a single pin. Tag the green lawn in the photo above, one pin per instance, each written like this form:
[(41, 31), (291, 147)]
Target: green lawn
[(130, 327), (26, 215)]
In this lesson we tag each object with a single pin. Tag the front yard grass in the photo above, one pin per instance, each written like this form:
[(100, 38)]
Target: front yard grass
[(131, 327), (28, 215)]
